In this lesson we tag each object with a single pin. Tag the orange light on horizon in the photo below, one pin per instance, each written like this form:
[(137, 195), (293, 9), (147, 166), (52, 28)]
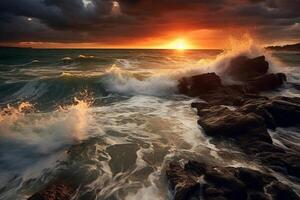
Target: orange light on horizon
[(179, 44)]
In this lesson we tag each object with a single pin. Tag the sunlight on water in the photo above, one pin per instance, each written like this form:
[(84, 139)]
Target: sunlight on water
[(109, 120)]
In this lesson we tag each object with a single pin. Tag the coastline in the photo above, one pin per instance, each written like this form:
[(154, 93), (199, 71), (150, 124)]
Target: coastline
[(239, 115)]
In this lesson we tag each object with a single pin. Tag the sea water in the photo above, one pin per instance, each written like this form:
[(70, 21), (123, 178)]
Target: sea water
[(112, 119)]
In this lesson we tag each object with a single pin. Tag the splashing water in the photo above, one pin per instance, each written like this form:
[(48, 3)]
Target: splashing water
[(115, 140)]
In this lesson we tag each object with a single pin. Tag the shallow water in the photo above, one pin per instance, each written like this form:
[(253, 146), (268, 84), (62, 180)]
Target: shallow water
[(110, 119)]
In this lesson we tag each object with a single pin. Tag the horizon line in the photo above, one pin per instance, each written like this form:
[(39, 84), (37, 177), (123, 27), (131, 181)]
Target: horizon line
[(110, 48)]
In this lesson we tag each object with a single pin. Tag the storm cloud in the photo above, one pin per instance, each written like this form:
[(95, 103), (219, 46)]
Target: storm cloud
[(108, 21)]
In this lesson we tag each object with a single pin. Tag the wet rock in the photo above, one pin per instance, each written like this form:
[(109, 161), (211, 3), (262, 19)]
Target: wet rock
[(182, 183), (55, 191), (253, 179), (285, 111), (220, 121), (199, 84), (265, 83), (247, 126), (252, 74), (218, 182), (258, 196), (279, 111), (280, 191), (225, 95), (123, 156), (286, 162), (244, 68), (225, 182)]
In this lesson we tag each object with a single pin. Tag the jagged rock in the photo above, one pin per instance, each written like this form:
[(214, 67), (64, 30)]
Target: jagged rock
[(198, 84), (217, 182), (265, 83), (280, 191), (244, 68), (279, 111), (252, 73), (247, 125), (183, 184), (220, 121), (54, 191)]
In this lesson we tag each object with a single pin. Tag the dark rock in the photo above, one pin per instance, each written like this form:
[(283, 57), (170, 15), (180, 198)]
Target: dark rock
[(54, 191), (258, 196), (196, 168), (228, 185), (221, 122), (218, 182), (199, 105), (280, 191), (247, 126), (265, 83), (284, 162), (244, 68), (285, 112), (280, 111), (254, 179), (225, 95), (199, 84), (182, 183)]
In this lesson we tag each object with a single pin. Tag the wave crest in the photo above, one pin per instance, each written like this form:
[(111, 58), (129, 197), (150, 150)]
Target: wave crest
[(122, 81)]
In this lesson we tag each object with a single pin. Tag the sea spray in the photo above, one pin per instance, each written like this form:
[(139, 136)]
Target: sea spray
[(248, 47), (32, 141), (122, 81), (137, 115)]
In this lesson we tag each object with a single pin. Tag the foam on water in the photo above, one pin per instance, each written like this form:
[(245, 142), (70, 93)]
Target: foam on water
[(32, 141), (122, 81), (118, 147), (164, 82)]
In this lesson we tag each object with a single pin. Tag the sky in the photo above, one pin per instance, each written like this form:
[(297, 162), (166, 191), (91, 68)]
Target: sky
[(146, 23)]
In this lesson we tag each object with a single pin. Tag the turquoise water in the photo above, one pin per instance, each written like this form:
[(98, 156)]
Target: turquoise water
[(108, 120)]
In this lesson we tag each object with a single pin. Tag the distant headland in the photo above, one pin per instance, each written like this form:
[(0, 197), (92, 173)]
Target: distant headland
[(290, 47), (12, 47)]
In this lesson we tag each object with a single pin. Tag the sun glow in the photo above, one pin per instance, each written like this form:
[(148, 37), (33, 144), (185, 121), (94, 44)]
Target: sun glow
[(179, 44)]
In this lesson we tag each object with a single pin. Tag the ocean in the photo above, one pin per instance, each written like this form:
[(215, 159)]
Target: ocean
[(112, 119)]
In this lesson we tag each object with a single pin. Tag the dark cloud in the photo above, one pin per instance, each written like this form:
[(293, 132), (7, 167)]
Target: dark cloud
[(95, 20)]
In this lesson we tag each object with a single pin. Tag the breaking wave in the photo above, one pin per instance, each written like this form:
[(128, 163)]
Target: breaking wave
[(122, 81), (117, 140), (29, 138)]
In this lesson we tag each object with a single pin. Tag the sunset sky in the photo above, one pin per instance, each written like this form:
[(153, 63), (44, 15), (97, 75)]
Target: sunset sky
[(146, 23)]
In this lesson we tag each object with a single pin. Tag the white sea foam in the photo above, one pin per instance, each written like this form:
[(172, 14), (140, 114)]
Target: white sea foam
[(34, 138), (163, 82), (161, 129), (66, 59), (86, 57), (122, 81), (220, 63)]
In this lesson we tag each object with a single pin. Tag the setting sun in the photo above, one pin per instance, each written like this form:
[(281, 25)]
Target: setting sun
[(179, 44)]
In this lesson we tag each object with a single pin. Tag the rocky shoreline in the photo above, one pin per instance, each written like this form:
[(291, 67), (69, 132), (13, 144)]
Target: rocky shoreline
[(245, 123), (235, 113)]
